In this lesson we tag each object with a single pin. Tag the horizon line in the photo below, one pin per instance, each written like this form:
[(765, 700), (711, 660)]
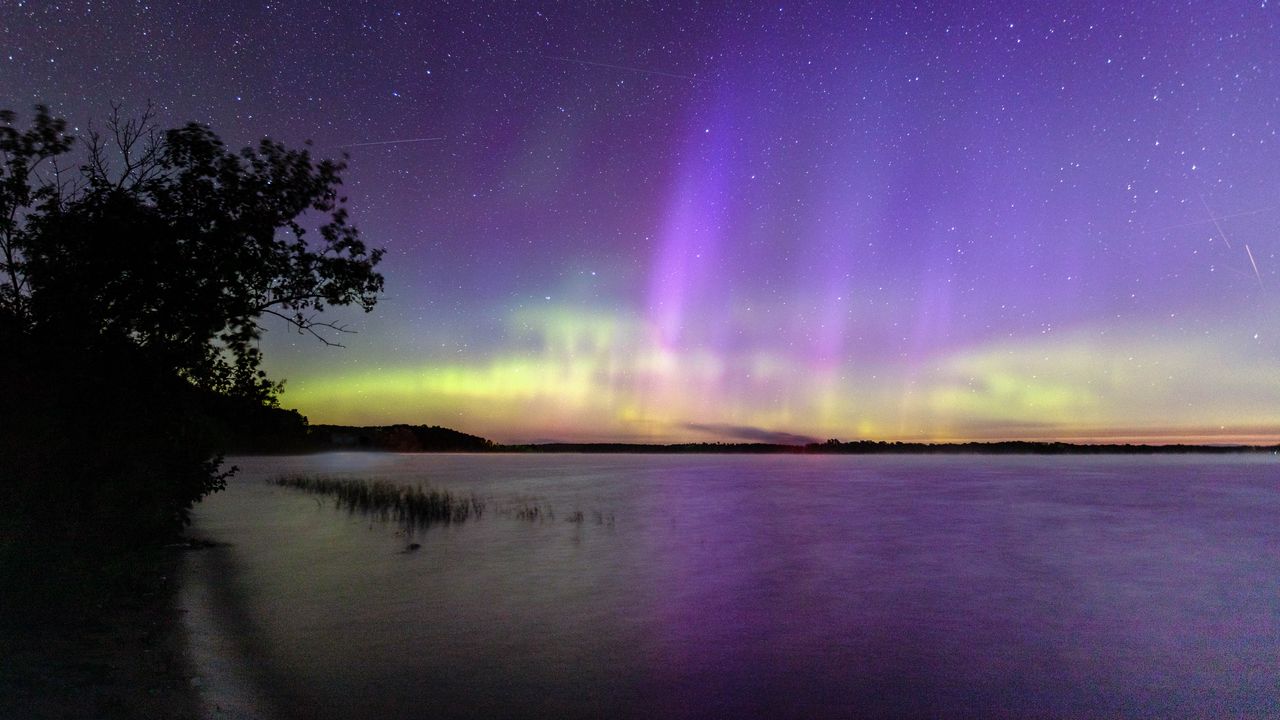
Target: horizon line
[(1226, 439)]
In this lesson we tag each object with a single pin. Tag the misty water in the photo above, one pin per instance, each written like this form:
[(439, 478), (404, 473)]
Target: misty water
[(745, 586)]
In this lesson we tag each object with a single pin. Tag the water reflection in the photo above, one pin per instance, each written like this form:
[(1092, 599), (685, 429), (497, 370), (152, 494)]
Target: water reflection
[(768, 587)]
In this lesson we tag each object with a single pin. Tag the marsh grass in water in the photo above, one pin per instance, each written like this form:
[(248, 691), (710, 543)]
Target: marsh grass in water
[(420, 506), (532, 512), (529, 513), (410, 506)]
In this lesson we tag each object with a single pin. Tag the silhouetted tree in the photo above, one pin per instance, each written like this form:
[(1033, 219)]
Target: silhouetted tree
[(131, 292), (24, 156)]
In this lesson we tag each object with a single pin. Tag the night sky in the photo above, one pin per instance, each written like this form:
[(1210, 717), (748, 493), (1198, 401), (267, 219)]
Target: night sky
[(693, 222)]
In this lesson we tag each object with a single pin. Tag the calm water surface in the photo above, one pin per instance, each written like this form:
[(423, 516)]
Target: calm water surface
[(775, 586)]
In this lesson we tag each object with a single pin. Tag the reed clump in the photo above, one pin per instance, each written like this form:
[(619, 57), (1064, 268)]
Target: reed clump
[(533, 513), (409, 505)]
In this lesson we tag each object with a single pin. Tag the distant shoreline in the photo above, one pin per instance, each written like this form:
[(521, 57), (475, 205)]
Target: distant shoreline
[(272, 431), (276, 431), (424, 438)]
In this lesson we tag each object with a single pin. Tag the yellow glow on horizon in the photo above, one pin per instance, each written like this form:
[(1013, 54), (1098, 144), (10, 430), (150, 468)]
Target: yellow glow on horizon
[(600, 377)]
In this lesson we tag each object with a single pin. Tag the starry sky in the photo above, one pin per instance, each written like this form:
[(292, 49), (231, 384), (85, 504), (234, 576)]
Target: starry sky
[(748, 221)]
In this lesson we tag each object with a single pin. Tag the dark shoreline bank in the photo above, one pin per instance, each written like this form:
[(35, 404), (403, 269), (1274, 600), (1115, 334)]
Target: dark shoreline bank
[(94, 635)]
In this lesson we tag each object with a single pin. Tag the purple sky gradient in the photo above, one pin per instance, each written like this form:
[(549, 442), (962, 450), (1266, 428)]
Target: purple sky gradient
[(672, 223)]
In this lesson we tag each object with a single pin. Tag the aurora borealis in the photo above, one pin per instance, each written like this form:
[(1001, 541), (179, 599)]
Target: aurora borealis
[(671, 222)]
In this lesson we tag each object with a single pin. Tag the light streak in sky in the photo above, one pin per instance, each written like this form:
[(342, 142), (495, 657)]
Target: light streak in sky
[(1254, 264), (391, 142), (1212, 218), (1215, 222)]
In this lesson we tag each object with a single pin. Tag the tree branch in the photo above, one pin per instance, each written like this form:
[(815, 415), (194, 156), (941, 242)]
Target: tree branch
[(309, 325)]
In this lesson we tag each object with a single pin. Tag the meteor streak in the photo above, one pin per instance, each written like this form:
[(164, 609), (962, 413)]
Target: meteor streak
[(1254, 264), (391, 142), (1193, 223), (1215, 223)]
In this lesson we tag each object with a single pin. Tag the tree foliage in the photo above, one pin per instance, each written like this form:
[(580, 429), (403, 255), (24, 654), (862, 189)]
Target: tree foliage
[(181, 245), (24, 156), (140, 277)]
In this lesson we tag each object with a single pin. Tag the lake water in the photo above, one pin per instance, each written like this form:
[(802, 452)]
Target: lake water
[(758, 587)]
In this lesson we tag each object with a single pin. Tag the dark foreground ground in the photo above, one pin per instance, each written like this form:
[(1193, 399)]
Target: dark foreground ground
[(85, 636)]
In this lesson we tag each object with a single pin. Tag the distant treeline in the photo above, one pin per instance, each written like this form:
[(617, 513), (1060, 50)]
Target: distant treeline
[(697, 448), (396, 438), (250, 429)]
